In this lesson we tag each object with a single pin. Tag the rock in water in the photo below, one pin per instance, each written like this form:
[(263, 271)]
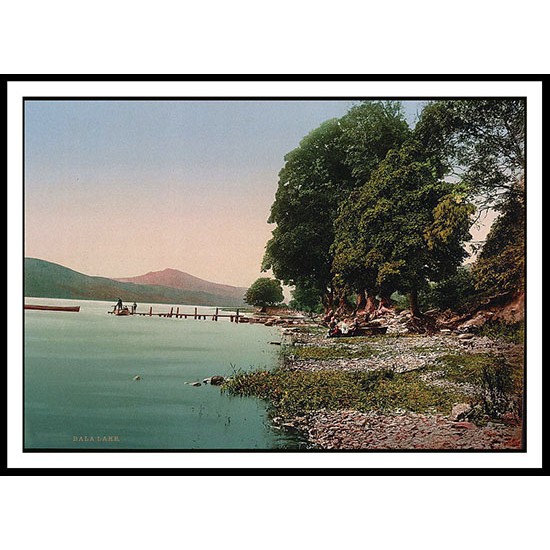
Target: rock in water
[(217, 380), (137, 378), (195, 384)]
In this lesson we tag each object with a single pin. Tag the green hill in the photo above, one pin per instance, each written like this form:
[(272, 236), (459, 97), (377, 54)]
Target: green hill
[(48, 280)]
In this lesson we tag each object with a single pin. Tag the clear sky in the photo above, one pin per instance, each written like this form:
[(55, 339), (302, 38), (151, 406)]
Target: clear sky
[(120, 188)]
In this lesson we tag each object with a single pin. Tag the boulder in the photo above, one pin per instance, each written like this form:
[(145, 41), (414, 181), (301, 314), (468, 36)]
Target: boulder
[(475, 323), (465, 336), (460, 412), (216, 380)]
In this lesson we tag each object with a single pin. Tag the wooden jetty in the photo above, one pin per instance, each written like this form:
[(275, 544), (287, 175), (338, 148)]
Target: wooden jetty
[(196, 314), (52, 308)]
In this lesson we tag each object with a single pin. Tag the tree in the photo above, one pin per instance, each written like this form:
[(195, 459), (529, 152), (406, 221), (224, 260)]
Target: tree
[(402, 229), (311, 184), (483, 143), (317, 176), (500, 266), (480, 141), (264, 292), (455, 292), (306, 298)]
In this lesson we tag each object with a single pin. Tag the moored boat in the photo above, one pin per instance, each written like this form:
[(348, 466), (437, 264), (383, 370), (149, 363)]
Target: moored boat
[(53, 308), (123, 311)]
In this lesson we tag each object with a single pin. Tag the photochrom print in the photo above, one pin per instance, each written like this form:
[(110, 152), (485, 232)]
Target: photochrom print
[(274, 274)]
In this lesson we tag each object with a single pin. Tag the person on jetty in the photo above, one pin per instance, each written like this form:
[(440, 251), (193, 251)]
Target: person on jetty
[(134, 308), (118, 306)]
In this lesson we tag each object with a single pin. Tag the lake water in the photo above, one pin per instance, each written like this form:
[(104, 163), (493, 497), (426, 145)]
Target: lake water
[(79, 381)]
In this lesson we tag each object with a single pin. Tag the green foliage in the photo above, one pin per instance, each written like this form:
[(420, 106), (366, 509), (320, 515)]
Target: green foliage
[(403, 228), (513, 333), (499, 385), (299, 392), (483, 143), (364, 204), (317, 176), (369, 130), (456, 292), (264, 292), (500, 266), (480, 140), (311, 184), (306, 298)]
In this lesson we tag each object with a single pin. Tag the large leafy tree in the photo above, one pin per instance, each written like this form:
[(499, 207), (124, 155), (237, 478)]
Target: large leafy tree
[(311, 183), (482, 142), (317, 177), (401, 229), (264, 292)]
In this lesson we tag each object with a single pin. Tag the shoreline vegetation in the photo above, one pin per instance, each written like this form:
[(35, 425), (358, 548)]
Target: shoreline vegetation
[(374, 221), (450, 389)]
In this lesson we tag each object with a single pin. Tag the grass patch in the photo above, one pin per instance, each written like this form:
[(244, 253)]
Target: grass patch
[(514, 333), (479, 369), (299, 392), (499, 385)]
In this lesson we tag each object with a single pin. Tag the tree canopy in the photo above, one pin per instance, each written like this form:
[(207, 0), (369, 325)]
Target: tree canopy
[(264, 292), (317, 176), (366, 204), (481, 142), (401, 229)]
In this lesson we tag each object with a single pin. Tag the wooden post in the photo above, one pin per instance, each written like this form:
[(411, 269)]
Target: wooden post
[(237, 317), (177, 312), (150, 311), (216, 317), (171, 311), (195, 313)]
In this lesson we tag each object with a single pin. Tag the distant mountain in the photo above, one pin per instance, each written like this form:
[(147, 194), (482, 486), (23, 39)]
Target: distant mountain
[(49, 280), (179, 279)]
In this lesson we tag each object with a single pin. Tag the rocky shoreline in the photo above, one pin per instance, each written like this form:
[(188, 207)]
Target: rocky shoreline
[(401, 429)]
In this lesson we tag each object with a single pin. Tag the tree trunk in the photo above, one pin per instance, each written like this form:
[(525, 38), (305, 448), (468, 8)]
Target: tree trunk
[(413, 303), (340, 304), (385, 301), (328, 300), (372, 304), (385, 305), (361, 301)]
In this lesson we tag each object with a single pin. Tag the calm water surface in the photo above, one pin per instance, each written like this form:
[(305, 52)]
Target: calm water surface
[(79, 370)]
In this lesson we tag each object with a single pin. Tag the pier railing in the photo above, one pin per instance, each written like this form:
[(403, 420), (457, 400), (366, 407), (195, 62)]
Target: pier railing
[(196, 314)]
